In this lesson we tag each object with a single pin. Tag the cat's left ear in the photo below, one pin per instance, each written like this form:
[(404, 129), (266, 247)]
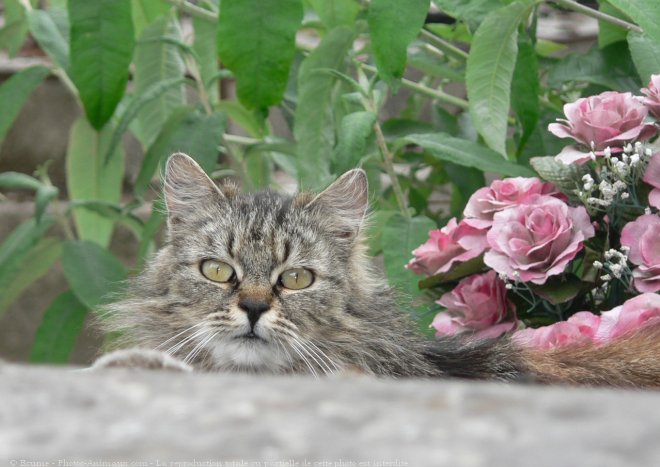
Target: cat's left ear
[(187, 187), (348, 197)]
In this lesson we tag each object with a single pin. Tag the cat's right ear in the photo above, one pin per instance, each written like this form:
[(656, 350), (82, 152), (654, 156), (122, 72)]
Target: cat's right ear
[(187, 187)]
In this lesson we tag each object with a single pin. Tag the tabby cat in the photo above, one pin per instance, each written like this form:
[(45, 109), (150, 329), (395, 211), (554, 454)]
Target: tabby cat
[(271, 283)]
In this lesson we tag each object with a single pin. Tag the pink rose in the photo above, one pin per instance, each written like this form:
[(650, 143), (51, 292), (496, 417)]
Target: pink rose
[(579, 329), (452, 244), (652, 99), (634, 314), (478, 304), (652, 177), (596, 122), (537, 239), (503, 194), (642, 236)]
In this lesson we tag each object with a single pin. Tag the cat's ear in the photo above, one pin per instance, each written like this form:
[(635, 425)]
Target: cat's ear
[(348, 197), (187, 187)]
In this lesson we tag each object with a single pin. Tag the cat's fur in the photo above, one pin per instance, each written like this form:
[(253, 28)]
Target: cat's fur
[(346, 320)]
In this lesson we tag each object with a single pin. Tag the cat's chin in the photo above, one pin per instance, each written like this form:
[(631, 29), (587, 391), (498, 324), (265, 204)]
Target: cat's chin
[(249, 353)]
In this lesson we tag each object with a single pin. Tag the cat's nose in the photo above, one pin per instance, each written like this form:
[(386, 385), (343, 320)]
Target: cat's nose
[(254, 309)]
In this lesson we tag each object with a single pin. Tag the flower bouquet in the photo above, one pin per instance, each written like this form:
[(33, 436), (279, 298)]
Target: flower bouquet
[(570, 258)]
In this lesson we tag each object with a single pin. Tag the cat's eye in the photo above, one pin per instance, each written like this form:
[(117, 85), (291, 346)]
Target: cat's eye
[(296, 279), (216, 271)]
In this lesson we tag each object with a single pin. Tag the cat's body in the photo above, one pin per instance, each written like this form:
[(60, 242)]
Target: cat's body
[(280, 284)]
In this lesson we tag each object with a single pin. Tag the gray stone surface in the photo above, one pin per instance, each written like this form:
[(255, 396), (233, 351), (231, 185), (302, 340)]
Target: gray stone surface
[(58, 417)]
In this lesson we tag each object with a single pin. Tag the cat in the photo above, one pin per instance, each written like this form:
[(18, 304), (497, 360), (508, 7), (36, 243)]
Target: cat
[(271, 283)]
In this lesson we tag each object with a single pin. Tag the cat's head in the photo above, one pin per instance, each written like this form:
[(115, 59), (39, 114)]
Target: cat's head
[(259, 281)]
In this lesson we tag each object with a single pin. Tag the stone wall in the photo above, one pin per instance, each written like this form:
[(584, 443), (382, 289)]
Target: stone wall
[(61, 416)]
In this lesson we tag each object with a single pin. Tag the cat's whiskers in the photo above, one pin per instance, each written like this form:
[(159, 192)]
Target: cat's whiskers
[(308, 347), (285, 351), (176, 347), (302, 355), (321, 361), (325, 355), (177, 335), (199, 347)]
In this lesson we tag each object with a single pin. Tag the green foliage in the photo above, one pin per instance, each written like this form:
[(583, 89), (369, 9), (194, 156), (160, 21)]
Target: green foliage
[(101, 49), (314, 82), (90, 177), (393, 25), (59, 330), (94, 274), (490, 67), (256, 41), (14, 93)]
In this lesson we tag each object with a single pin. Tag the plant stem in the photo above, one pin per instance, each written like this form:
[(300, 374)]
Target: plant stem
[(599, 15), (245, 140), (193, 10), (388, 160), (443, 45), (433, 93)]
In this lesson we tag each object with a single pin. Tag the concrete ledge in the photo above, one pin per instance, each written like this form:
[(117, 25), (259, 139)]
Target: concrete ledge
[(61, 416)]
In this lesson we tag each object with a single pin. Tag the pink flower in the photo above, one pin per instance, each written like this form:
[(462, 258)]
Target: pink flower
[(503, 194), (652, 99), (537, 239), (452, 244), (585, 328), (634, 314), (478, 304), (642, 236), (596, 122), (652, 177), (579, 329)]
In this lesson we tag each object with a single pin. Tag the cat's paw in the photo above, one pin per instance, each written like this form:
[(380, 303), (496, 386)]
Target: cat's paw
[(140, 358)]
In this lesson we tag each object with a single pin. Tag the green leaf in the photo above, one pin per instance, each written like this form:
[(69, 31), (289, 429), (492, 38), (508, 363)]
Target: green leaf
[(145, 12), (114, 212), (151, 227), (243, 117), (188, 131), (645, 54), (258, 168), (394, 25), (135, 105), (609, 33), (335, 13), (567, 178), (205, 47), (354, 134), (490, 67), (45, 194), (101, 50), (376, 226), (49, 37), (611, 67), (59, 329), (93, 273), (401, 236), (644, 13), (466, 153), (26, 259), (313, 125), (256, 41), (456, 273), (559, 289), (472, 12), (17, 180), (465, 181), (89, 177), (14, 93), (525, 89), (15, 29), (158, 61)]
